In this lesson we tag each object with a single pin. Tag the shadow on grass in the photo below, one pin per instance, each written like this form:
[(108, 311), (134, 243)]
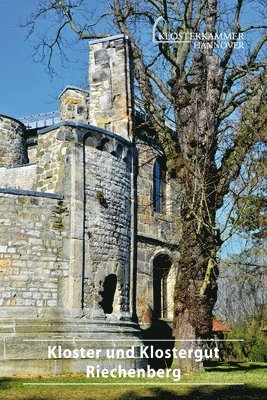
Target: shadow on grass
[(232, 366), (5, 383), (203, 393)]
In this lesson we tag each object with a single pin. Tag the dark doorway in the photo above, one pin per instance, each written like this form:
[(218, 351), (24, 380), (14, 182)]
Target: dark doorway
[(161, 267), (109, 288)]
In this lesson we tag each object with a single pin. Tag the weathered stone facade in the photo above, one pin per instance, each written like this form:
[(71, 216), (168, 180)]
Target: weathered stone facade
[(107, 221), (74, 105), (111, 97), (13, 149), (22, 176), (157, 238), (31, 252), (84, 251)]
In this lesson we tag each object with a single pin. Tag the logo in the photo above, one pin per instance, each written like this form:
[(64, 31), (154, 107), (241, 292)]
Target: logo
[(163, 32)]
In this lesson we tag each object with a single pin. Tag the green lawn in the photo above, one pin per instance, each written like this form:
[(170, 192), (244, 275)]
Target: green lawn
[(252, 375)]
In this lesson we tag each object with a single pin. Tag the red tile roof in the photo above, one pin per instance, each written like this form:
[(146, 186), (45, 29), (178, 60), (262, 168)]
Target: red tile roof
[(219, 327)]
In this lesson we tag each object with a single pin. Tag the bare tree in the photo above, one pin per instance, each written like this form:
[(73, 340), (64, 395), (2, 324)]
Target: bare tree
[(242, 303), (242, 290), (213, 94)]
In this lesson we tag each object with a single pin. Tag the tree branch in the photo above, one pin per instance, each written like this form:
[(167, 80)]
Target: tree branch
[(160, 84), (250, 130), (236, 30)]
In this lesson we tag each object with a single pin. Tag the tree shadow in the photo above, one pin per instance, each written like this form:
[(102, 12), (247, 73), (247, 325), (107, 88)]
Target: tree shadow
[(156, 336), (203, 393), (5, 383), (232, 366), (246, 392)]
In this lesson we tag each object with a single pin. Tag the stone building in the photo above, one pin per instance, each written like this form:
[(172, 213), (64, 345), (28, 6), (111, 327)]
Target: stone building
[(87, 247)]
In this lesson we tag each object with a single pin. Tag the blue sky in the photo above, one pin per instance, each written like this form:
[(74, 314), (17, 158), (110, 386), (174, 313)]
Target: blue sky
[(25, 85), (26, 88)]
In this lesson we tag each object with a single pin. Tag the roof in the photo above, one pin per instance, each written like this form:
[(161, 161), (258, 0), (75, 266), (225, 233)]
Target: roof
[(219, 327), (47, 119), (41, 120)]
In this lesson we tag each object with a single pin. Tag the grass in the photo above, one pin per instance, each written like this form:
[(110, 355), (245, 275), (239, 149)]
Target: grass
[(252, 375)]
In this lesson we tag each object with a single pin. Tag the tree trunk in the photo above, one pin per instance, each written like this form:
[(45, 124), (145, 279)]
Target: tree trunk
[(192, 305), (196, 288)]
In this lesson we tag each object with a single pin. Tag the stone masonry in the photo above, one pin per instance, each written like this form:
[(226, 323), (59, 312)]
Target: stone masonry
[(13, 150), (84, 252), (111, 97)]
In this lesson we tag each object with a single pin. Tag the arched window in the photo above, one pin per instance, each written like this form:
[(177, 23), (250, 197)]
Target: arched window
[(159, 187)]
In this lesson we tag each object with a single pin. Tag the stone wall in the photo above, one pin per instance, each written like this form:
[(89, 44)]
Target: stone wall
[(158, 233), (13, 148), (148, 252), (110, 82), (107, 221), (22, 177), (31, 250), (160, 226), (74, 105), (32, 154), (51, 153)]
